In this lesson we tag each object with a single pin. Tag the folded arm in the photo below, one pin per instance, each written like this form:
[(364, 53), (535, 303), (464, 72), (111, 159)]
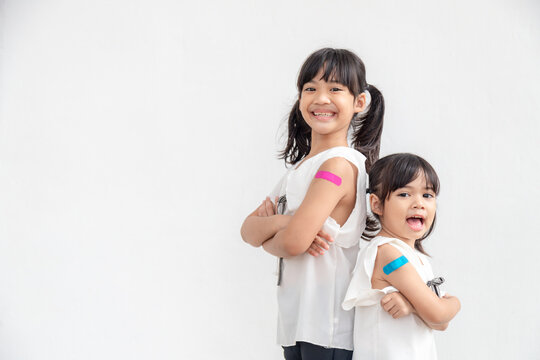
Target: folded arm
[(434, 311), (262, 224), (320, 202)]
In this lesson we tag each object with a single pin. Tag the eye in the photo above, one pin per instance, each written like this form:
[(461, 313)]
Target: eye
[(336, 89), (403, 194), (309, 89), (428, 195)]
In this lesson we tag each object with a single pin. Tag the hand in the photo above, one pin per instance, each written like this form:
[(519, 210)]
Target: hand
[(320, 244), (267, 208), (397, 305)]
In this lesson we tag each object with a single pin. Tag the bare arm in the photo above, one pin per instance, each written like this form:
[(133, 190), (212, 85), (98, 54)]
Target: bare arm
[(322, 199), (434, 311), (398, 306), (262, 224)]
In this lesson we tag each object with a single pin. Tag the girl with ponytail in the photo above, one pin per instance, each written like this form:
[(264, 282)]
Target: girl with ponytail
[(347, 69), (319, 206)]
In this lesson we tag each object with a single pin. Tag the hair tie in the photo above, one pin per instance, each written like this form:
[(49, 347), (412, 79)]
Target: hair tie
[(368, 102)]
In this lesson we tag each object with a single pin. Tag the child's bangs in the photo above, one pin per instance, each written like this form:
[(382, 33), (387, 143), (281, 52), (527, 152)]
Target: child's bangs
[(405, 170), (337, 67)]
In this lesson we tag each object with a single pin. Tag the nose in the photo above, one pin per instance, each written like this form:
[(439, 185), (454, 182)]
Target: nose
[(418, 202), (322, 98)]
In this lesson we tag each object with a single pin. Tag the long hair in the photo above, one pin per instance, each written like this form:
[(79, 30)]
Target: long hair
[(346, 68), (393, 172)]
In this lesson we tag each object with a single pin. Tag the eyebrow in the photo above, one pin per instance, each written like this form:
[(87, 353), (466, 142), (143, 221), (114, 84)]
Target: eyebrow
[(410, 187)]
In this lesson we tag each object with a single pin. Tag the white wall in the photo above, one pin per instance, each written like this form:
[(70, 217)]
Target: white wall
[(135, 136)]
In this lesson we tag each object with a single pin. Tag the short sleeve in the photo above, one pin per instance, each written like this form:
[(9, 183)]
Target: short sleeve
[(360, 292)]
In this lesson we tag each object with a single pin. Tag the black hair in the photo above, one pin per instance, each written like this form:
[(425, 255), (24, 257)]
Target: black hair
[(393, 172), (344, 67)]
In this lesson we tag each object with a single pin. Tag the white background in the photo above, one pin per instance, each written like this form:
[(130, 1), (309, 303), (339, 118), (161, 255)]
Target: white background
[(135, 136)]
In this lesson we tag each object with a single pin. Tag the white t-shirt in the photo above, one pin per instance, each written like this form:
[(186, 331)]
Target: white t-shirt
[(377, 335), (313, 288)]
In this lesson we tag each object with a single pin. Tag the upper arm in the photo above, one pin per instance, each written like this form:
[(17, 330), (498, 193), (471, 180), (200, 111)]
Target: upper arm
[(321, 199), (407, 280)]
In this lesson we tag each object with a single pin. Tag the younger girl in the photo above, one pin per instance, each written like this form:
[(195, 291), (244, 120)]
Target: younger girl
[(323, 189), (403, 199)]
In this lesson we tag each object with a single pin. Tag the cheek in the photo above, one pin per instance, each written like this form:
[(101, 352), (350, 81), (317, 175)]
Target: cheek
[(303, 107)]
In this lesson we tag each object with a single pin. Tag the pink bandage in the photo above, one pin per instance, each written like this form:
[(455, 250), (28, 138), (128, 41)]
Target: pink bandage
[(326, 175)]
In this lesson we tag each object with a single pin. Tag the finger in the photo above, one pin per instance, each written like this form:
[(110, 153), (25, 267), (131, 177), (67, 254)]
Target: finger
[(399, 314), (265, 206), (316, 248), (260, 210), (312, 253), (325, 236), (386, 298), (276, 200), (390, 307), (321, 243), (270, 205)]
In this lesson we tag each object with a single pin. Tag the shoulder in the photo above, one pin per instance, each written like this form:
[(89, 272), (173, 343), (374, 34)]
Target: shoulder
[(353, 156), (387, 253), (337, 171), (339, 166)]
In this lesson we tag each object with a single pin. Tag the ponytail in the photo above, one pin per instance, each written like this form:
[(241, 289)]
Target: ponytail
[(367, 128), (299, 139)]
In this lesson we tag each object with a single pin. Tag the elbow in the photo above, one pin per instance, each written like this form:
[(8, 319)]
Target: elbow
[(442, 311), (293, 246), (435, 318), (439, 313), (246, 237), (442, 327), (438, 327), (293, 250), (243, 234)]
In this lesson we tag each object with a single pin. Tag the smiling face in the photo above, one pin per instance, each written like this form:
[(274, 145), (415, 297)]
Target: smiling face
[(408, 212), (328, 107)]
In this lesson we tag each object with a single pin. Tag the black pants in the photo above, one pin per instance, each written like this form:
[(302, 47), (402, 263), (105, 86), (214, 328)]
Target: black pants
[(306, 351)]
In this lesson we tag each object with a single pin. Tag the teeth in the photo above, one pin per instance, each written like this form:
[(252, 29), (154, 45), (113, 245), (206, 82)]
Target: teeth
[(323, 114)]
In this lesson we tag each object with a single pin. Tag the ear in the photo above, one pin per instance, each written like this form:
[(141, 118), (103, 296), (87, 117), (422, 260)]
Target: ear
[(360, 103), (376, 204)]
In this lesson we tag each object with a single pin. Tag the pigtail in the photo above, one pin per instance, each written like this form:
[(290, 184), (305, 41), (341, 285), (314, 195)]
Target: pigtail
[(299, 137), (367, 128), (372, 228)]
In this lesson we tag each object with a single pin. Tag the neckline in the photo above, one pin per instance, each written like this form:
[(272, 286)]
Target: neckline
[(304, 160)]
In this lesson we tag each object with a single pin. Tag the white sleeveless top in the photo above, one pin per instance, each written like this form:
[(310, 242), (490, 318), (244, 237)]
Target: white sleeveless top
[(313, 288), (377, 335)]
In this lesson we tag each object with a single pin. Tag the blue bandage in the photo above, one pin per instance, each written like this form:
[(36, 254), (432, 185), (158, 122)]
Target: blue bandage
[(394, 265)]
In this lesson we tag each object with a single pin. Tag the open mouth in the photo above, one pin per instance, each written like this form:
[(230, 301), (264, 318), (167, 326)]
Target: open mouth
[(323, 115), (416, 222)]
